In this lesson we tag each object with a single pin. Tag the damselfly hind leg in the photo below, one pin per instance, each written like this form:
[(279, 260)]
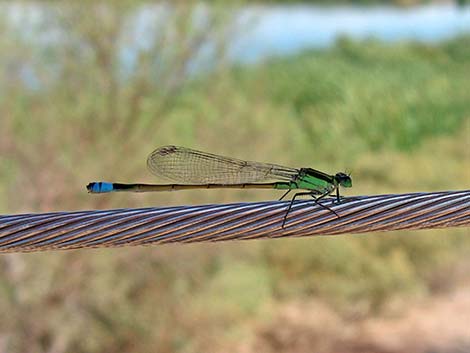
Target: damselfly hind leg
[(315, 199), (285, 194), (288, 191)]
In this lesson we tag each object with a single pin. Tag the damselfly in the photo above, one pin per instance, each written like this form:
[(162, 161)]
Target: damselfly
[(200, 170)]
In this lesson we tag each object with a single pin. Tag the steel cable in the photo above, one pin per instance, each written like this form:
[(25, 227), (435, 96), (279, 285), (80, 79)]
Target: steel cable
[(238, 221)]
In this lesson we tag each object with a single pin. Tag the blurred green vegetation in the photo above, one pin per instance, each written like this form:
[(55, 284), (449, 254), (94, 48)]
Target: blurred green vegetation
[(360, 2), (397, 116)]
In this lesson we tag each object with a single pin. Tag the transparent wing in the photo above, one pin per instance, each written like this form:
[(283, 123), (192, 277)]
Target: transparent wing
[(190, 166)]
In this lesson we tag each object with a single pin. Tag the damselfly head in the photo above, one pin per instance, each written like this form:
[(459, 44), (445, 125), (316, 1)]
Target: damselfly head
[(343, 179)]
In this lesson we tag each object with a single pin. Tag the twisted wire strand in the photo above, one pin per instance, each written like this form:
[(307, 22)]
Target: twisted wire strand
[(238, 221)]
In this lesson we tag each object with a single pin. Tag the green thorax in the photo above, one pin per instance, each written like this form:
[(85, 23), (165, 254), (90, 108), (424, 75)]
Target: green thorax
[(310, 179)]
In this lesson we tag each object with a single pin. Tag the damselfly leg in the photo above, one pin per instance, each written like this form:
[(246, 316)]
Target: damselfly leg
[(315, 199)]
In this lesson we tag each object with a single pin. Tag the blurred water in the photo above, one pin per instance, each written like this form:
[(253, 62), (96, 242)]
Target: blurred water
[(283, 30), (259, 31)]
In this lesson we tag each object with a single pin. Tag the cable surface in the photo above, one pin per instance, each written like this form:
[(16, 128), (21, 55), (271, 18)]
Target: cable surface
[(237, 221)]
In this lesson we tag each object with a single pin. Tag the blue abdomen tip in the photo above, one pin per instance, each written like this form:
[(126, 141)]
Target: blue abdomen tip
[(100, 187)]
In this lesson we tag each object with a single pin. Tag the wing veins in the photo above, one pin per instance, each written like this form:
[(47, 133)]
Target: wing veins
[(191, 166)]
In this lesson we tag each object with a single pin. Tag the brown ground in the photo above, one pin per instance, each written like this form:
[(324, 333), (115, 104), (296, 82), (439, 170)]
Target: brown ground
[(434, 325)]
